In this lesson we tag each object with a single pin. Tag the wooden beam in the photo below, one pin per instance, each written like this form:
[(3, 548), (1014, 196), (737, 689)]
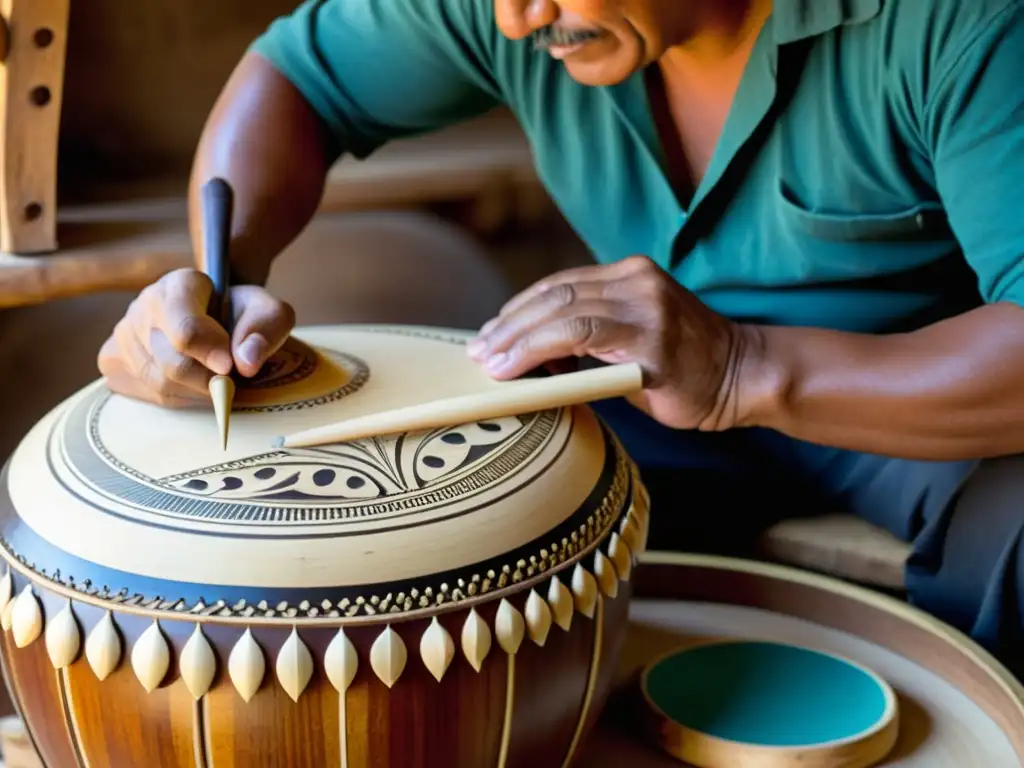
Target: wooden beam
[(117, 247), (31, 93), (139, 233)]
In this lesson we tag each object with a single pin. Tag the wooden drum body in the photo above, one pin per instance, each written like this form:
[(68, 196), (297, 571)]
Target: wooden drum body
[(450, 598)]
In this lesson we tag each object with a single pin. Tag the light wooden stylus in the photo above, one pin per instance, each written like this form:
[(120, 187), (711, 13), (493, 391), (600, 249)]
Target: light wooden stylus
[(506, 399)]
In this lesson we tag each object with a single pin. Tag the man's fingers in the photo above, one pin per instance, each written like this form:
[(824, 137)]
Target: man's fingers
[(180, 313), (263, 323), (124, 381), (177, 368), (575, 336), (167, 347), (561, 303), (590, 273)]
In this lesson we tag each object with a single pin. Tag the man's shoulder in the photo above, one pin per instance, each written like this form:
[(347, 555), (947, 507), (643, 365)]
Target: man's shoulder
[(943, 27), (919, 47), (402, 27)]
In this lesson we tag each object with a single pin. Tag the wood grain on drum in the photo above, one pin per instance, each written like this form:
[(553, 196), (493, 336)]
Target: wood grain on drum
[(456, 597), (38, 696), (117, 722)]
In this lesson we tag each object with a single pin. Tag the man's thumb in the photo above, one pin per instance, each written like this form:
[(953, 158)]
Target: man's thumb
[(262, 325)]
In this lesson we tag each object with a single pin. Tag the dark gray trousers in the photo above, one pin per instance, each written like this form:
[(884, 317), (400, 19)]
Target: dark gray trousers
[(717, 493)]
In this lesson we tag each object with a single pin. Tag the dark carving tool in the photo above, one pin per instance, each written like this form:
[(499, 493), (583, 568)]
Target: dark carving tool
[(218, 203)]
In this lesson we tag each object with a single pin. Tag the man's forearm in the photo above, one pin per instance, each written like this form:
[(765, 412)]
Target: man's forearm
[(265, 140), (953, 390)]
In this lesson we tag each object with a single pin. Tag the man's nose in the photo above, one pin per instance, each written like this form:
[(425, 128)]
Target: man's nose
[(519, 18)]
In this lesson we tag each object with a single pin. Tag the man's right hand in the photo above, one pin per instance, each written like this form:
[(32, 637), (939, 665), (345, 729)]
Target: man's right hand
[(166, 348)]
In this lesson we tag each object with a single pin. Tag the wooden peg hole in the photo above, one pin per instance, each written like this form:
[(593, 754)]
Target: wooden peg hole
[(33, 211), (43, 37), (40, 96)]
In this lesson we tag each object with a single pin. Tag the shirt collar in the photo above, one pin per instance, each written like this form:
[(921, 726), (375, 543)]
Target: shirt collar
[(798, 19)]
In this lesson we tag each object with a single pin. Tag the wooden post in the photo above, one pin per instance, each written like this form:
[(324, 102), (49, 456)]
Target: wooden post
[(31, 92)]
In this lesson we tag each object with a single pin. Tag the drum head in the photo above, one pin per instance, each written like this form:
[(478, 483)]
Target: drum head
[(111, 494)]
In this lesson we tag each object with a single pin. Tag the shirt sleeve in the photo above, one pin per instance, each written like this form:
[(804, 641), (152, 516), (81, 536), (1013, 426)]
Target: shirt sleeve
[(377, 70), (975, 131)]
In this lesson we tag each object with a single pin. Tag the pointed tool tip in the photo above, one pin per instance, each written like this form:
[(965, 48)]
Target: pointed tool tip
[(278, 442), (222, 392)]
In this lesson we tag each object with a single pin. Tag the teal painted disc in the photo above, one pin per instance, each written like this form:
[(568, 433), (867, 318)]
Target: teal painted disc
[(768, 694)]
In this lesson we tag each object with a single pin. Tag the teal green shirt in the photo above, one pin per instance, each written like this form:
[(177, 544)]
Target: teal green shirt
[(870, 176)]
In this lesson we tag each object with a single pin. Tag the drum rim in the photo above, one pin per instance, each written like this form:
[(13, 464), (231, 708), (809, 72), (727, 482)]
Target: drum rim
[(634, 503)]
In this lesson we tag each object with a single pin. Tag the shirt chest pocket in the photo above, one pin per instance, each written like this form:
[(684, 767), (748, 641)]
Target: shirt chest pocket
[(845, 244)]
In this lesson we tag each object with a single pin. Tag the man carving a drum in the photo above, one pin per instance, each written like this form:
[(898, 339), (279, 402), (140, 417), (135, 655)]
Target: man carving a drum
[(806, 223)]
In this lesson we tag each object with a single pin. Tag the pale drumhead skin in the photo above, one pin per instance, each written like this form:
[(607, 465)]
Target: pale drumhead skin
[(144, 499)]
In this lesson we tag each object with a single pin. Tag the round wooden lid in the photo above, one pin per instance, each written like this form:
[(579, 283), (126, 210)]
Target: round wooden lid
[(759, 703), (109, 494)]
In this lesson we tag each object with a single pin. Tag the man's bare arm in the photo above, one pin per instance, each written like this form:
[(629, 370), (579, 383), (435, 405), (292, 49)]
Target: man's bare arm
[(953, 390), (265, 139)]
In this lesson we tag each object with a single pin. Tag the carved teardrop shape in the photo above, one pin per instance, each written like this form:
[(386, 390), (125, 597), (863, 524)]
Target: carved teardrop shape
[(151, 657), (642, 496), (538, 618), (641, 526), (437, 649), (584, 591), (631, 535), (341, 662), (560, 600), (197, 664), (509, 627), (641, 509), (246, 666), (6, 590), (63, 638), (5, 617), (26, 618), (476, 640), (103, 647), (388, 656), (607, 579), (294, 666), (620, 556)]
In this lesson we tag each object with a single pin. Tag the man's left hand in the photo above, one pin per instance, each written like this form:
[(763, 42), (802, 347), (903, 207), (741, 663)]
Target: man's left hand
[(629, 311)]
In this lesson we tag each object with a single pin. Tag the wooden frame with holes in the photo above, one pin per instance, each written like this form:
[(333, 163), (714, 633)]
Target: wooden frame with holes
[(33, 51)]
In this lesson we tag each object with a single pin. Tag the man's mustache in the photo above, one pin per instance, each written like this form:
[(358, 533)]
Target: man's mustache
[(548, 36)]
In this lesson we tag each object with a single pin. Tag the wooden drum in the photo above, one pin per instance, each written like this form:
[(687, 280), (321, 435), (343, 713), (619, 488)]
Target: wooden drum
[(456, 597)]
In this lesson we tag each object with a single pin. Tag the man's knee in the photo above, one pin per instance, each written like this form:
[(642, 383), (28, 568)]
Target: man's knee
[(967, 566)]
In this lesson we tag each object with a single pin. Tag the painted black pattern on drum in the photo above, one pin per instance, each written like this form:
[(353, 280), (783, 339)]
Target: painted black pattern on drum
[(358, 370), (93, 465), (284, 368), (585, 527)]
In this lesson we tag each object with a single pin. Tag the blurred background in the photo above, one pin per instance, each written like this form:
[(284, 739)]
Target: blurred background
[(95, 176)]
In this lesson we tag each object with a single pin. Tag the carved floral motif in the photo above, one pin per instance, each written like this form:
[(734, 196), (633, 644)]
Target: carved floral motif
[(364, 469)]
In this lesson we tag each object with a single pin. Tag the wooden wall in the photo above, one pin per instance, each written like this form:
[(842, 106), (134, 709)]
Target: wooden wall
[(142, 76)]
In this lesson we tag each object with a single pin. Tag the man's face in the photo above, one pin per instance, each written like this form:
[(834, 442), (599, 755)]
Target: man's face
[(601, 42)]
